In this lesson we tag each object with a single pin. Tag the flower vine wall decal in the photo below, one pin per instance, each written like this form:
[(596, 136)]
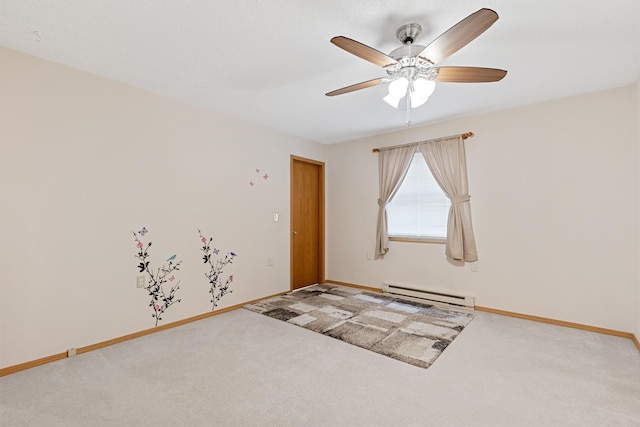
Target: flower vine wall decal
[(160, 300), (217, 288)]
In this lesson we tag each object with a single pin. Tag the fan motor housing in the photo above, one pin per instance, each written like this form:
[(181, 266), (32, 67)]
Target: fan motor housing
[(406, 51)]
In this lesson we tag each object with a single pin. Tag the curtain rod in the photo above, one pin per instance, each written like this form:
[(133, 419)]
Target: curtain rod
[(464, 136)]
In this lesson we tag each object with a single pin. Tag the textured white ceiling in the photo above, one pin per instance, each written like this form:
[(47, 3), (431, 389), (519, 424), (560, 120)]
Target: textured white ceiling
[(271, 62)]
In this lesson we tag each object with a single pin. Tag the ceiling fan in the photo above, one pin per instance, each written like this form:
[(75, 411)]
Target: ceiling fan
[(411, 69)]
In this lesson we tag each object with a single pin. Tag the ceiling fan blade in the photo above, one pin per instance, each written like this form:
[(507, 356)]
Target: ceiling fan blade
[(469, 74), (357, 86), (363, 51), (459, 35)]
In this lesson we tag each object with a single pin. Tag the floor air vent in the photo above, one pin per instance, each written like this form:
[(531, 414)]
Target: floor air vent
[(445, 297)]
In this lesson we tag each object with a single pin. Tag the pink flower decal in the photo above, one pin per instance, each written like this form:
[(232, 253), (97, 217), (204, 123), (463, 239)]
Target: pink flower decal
[(266, 176), (156, 307), (139, 245), (231, 278), (172, 278), (204, 240), (257, 170), (251, 183)]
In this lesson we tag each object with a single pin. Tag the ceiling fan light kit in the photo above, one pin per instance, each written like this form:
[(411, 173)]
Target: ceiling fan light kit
[(419, 89), (410, 74), (411, 69)]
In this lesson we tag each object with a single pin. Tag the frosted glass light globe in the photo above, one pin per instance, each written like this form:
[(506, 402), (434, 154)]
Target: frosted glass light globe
[(398, 87)]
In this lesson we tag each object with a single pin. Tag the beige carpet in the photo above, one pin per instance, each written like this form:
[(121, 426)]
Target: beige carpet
[(406, 330), (245, 369)]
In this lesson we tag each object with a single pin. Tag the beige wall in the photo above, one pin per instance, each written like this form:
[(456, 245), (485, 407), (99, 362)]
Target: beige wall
[(85, 161), (552, 190)]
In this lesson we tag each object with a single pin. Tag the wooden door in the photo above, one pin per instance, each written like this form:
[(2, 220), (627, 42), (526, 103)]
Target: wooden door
[(307, 222)]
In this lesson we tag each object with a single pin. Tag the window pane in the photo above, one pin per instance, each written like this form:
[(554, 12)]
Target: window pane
[(419, 208)]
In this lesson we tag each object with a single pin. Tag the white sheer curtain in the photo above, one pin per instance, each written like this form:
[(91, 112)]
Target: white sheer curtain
[(447, 161), (393, 165)]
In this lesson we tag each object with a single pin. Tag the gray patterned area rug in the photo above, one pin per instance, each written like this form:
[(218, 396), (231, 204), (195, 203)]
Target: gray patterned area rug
[(406, 330)]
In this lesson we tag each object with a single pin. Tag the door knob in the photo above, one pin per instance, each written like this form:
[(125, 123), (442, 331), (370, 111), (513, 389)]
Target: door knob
[(295, 233)]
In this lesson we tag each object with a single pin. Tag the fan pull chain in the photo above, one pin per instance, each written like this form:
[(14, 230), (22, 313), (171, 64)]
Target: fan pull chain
[(408, 109)]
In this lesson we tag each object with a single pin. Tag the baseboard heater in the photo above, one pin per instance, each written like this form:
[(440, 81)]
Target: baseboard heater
[(445, 297)]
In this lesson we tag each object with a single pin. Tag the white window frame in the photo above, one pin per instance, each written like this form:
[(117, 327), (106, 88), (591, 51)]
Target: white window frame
[(424, 191)]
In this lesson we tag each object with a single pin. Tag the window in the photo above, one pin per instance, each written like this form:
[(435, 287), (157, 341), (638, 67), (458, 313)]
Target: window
[(420, 209)]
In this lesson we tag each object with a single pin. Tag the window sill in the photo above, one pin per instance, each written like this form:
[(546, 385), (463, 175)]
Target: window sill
[(417, 239)]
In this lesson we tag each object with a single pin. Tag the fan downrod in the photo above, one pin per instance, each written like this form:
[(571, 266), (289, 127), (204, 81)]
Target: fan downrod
[(408, 33)]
